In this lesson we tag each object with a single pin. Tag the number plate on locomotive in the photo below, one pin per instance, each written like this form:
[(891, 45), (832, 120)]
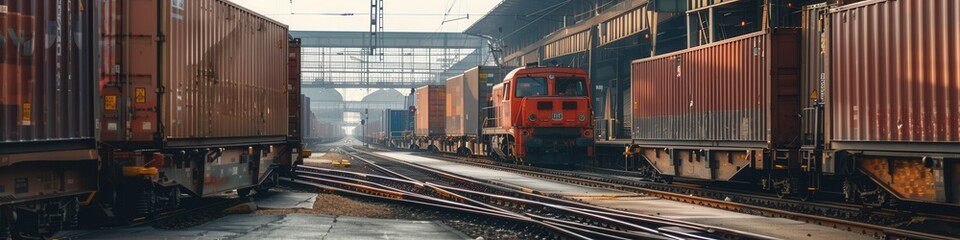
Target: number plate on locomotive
[(557, 116)]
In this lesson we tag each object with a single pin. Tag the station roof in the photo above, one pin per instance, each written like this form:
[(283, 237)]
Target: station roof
[(511, 15)]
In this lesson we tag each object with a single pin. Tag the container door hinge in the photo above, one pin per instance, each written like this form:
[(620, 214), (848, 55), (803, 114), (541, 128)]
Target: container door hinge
[(161, 90), (161, 38)]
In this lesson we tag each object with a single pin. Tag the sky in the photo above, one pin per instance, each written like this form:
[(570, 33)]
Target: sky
[(354, 15)]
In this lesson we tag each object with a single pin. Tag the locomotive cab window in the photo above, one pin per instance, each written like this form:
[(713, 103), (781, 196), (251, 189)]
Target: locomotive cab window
[(531, 87), (506, 91), (570, 87)]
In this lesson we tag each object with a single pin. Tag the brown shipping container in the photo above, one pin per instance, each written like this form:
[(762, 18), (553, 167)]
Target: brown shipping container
[(209, 72), (467, 95), (47, 92), (741, 92), (894, 78), (431, 108)]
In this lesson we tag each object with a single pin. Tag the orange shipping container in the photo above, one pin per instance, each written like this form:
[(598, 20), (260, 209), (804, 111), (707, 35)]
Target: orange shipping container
[(431, 108), (191, 73)]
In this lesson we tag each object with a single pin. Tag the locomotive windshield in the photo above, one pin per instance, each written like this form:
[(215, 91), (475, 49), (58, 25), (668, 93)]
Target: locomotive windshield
[(531, 86), (570, 87)]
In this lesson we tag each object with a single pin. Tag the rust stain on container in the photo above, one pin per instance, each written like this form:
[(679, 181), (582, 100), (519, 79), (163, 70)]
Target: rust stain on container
[(431, 109), (894, 72), (742, 90), (211, 70)]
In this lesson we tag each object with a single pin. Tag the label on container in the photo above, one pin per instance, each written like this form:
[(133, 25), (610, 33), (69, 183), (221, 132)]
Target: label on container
[(141, 95), (178, 4), (27, 118), (147, 126), (110, 102), (3, 8)]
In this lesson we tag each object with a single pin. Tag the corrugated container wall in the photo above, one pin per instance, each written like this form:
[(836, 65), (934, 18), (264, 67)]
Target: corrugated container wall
[(46, 80), (219, 72), (467, 96), (431, 108), (740, 91), (895, 73)]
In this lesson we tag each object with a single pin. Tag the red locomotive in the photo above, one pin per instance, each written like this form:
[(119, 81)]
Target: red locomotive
[(542, 116)]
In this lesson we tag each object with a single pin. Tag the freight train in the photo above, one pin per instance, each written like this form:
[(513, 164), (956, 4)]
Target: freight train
[(856, 99), (127, 106), (535, 115)]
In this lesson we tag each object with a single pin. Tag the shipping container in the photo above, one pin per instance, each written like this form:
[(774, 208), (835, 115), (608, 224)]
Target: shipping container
[(467, 98), (895, 76), (740, 92), (191, 73), (396, 123), (431, 109)]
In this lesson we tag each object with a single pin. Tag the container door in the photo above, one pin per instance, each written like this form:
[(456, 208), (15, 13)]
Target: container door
[(814, 74), (128, 80)]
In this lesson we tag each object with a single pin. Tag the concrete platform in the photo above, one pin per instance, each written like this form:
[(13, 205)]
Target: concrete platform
[(294, 226), (286, 200), (507, 178)]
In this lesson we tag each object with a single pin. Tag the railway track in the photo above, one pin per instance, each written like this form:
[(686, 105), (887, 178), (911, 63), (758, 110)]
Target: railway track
[(847, 217), (563, 218)]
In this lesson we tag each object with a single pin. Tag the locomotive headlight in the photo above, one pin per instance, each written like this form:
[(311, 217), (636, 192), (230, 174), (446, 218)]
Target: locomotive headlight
[(533, 117), (582, 117)]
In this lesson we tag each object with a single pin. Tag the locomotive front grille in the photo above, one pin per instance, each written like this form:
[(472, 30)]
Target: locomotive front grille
[(545, 106), (569, 105), (557, 132)]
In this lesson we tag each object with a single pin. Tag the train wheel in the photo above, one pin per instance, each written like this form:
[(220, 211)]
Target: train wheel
[(806, 195), (73, 214), (850, 191), (784, 189)]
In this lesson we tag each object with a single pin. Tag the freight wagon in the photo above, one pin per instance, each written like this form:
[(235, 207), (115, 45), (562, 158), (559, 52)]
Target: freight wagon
[(167, 106), (193, 99), (891, 123), (859, 98), (48, 154)]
